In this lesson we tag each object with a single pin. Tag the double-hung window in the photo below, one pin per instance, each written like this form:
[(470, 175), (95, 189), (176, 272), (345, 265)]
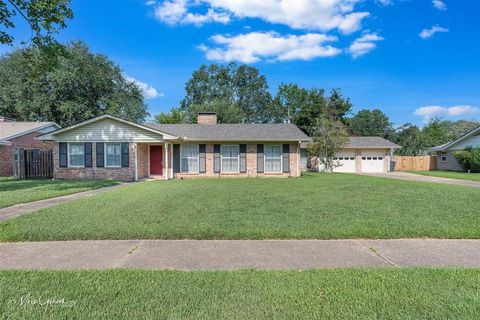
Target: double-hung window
[(76, 155), (113, 155), (189, 158), (273, 158), (230, 158)]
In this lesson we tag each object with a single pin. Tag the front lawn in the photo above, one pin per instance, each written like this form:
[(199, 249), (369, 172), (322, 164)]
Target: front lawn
[(451, 175), (248, 294), (321, 206), (13, 191)]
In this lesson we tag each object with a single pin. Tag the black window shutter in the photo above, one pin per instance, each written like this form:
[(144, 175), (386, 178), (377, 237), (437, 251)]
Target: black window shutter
[(63, 156), (286, 158), (176, 158), (260, 158), (216, 158), (243, 158), (87, 147), (125, 154), (202, 156), (99, 149)]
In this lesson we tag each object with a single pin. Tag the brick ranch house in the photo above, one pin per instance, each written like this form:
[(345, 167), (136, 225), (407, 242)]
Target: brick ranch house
[(108, 147), (15, 136)]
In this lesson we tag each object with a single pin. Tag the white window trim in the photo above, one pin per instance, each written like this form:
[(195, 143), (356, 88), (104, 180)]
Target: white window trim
[(181, 158), (105, 155), (443, 154), (221, 158), (265, 158), (70, 158)]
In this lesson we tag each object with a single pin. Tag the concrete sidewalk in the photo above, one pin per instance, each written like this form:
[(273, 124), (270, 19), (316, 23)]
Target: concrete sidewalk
[(418, 177), (237, 254), (25, 208)]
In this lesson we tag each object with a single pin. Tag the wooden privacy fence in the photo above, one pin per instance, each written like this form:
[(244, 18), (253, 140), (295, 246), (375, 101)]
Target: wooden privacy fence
[(33, 164), (418, 163)]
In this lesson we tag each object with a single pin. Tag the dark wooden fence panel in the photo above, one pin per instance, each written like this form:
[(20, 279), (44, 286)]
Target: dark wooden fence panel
[(35, 164)]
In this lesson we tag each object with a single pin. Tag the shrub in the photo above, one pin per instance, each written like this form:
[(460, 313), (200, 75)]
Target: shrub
[(469, 159)]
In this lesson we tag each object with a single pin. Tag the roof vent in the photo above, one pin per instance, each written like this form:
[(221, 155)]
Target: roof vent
[(207, 118)]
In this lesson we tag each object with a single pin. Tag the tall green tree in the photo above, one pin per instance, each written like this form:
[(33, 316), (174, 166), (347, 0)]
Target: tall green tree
[(329, 137), (66, 84), (44, 17), (302, 106), (371, 123), (412, 141), (174, 116), (435, 132), (241, 89), (458, 128)]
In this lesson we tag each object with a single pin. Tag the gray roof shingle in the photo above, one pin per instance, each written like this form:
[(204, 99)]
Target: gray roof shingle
[(9, 129), (233, 132), (370, 142)]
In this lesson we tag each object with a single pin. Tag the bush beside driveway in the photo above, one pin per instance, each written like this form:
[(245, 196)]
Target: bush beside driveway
[(316, 206)]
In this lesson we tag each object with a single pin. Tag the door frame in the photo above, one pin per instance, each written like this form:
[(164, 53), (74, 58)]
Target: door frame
[(163, 158)]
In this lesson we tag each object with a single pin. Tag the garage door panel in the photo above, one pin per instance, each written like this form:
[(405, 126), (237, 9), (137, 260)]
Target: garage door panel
[(344, 162), (373, 162)]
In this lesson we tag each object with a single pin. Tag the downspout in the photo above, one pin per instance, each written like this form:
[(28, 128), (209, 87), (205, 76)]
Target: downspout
[(166, 161), (298, 156), (136, 162)]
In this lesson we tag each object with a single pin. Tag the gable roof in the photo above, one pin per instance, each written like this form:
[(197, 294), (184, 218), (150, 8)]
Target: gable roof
[(10, 130), (234, 132), (445, 146), (370, 142), (105, 116)]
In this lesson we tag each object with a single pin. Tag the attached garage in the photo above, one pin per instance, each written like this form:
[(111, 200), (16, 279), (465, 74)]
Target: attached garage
[(364, 154)]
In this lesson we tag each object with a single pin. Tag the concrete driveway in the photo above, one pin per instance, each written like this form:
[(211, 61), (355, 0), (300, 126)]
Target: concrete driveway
[(238, 254), (417, 177)]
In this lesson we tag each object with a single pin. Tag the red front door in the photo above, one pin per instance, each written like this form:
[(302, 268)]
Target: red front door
[(156, 160)]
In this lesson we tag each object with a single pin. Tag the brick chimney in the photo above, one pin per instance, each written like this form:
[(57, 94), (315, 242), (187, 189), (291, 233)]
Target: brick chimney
[(5, 119), (207, 118)]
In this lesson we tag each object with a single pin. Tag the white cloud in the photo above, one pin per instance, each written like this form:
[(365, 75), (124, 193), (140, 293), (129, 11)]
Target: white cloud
[(385, 2), (439, 4), (429, 112), (427, 33), (150, 2), (322, 15), (148, 91), (364, 44), (255, 46)]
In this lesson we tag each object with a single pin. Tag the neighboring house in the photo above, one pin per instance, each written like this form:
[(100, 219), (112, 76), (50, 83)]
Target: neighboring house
[(444, 152), (15, 136), (364, 154), (108, 147)]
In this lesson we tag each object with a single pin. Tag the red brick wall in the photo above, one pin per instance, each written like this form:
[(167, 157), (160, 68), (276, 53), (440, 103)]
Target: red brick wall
[(127, 173), (27, 141), (251, 165)]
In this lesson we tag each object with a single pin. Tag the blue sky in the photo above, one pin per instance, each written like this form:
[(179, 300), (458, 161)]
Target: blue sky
[(374, 50)]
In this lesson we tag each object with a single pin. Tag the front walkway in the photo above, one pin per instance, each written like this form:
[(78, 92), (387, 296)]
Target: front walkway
[(24, 208), (417, 177), (237, 254)]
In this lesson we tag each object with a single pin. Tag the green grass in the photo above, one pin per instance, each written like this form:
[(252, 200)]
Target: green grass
[(248, 294), (14, 191), (321, 206), (451, 175)]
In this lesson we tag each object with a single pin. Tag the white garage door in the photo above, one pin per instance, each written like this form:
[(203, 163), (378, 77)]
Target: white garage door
[(372, 162), (344, 162)]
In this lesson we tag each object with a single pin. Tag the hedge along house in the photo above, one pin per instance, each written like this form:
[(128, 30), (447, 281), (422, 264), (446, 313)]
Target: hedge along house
[(108, 147)]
